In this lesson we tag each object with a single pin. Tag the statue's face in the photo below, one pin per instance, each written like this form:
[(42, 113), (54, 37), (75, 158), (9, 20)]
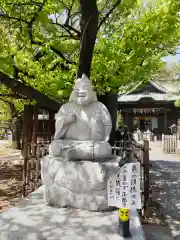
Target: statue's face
[(83, 93)]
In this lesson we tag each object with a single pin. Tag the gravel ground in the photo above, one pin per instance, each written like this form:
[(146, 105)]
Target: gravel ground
[(10, 178), (164, 209)]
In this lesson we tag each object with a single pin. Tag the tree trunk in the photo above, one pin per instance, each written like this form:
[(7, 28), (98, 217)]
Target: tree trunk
[(89, 28), (16, 132), (110, 101)]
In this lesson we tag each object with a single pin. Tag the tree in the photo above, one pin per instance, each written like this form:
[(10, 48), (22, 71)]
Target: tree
[(10, 120), (41, 47), (5, 114), (170, 74), (131, 50), (32, 47), (43, 41), (46, 40)]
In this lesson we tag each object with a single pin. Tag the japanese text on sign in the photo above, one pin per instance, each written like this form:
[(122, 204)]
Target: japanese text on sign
[(123, 188)]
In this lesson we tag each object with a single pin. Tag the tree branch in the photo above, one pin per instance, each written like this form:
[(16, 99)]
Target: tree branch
[(39, 54), (108, 13), (60, 54), (11, 105), (62, 65), (62, 2), (31, 23), (5, 100), (16, 70), (69, 13), (73, 29), (28, 91), (32, 3), (3, 15), (68, 29), (13, 95)]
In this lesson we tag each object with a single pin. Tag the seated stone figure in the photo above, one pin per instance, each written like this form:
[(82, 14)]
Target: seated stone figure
[(83, 126)]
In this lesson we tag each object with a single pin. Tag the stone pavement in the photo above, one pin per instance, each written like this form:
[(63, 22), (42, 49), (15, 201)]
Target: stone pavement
[(32, 219), (166, 175)]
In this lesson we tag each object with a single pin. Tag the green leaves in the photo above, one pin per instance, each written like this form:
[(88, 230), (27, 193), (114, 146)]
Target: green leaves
[(40, 41), (5, 112), (177, 103), (133, 50)]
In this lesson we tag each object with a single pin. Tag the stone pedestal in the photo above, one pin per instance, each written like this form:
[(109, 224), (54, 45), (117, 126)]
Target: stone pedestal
[(79, 184)]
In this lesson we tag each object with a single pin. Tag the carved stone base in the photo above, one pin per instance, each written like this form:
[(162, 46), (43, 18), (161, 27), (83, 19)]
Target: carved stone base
[(79, 184)]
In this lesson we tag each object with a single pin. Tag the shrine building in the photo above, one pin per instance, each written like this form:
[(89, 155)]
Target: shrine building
[(150, 106)]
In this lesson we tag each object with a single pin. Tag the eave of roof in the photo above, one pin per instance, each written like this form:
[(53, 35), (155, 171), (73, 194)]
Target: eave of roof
[(159, 87), (155, 84), (154, 96)]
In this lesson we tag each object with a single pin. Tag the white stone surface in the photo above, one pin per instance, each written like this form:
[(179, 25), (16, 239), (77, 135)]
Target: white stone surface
[(32, 219), (83, 125), (81, 150), (79, 184)]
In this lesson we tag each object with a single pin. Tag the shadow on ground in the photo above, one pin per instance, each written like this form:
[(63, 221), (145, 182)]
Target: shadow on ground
[(165, 177), (10, 183), (33, 219)]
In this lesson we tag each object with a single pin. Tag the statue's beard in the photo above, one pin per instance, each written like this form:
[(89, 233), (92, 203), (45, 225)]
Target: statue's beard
[(83, 101)]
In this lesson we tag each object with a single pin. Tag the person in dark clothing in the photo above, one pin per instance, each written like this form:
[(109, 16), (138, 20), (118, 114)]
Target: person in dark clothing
[(122, 134), (123, 139)]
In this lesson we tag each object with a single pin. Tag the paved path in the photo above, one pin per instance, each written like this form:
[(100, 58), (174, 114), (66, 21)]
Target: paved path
[(166, 174), (33, 219)]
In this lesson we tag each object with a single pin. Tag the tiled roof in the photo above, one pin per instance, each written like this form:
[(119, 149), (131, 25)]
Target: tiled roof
[(167, 89)]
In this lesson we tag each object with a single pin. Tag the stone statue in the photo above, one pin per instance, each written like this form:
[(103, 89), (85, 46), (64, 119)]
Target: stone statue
[(83, 126), (80, 161)]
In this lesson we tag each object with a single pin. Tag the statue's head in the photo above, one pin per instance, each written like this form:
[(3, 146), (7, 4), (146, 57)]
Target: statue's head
[(83, 93)]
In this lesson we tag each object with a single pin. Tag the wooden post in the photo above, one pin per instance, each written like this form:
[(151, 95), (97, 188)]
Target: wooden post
[(27, 119), (165, 122), (38, 166), (30, 126), (163, 137), (146, 173), (35, 129), (50, 125)]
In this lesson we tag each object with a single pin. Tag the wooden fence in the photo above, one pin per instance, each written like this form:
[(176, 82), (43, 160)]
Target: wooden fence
[(32, 165), (170, 144)]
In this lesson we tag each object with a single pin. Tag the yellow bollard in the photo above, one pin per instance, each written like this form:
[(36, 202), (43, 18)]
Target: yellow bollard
[(124, 215)]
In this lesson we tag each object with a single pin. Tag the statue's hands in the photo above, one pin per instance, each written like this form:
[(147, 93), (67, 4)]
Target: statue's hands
[(71, 118)]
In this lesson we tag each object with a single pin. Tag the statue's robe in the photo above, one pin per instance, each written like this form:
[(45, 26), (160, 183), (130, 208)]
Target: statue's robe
[(93, 124)]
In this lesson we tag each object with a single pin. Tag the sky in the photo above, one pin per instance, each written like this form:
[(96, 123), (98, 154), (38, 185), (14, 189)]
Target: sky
[(172, 59)]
